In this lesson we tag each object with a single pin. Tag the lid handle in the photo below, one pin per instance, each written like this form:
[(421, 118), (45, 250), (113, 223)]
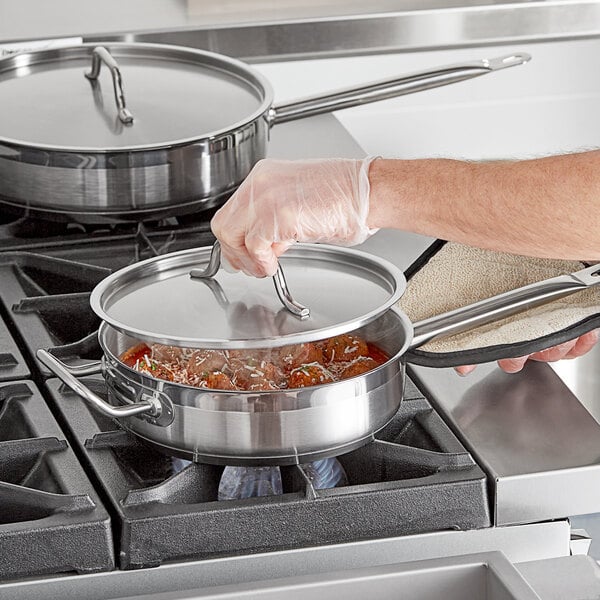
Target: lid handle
[(102, 55), (281, 287)]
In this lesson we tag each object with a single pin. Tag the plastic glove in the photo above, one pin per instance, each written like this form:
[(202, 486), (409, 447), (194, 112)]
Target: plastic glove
[(282, 202), (571, 349)]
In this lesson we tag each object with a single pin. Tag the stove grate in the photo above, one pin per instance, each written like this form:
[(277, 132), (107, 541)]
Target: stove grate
[(414, 477), (51, 519)]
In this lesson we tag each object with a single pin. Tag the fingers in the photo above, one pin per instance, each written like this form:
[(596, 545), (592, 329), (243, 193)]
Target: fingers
[(584, 344), (465, 369), (571, 349), (554, 353), (512, 365)]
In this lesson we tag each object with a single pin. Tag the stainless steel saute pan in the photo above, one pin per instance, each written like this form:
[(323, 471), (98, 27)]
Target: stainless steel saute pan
[(141, 131), (274, 427)]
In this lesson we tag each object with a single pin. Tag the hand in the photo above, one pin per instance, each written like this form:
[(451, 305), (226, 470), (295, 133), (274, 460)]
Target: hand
[(571, 349), (283, 202)]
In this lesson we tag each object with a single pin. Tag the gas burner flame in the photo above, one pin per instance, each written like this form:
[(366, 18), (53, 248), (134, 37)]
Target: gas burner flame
[(239, 483)]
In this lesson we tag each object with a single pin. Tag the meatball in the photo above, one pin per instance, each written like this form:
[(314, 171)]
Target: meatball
[(358, 366), (166, 353), (206, 361), (344, 348), (307, 375), (250, 373), (217, 380), (292, 357)]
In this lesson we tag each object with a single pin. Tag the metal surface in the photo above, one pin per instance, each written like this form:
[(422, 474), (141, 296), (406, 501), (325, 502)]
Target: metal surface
[(47, 502), (157, 301), (520, 543), (67, 376), (572, 577), (383, 90), (102, 55), (537, 442), (74, 160), (415, 476), (300, 31), (281, 287), (179, 96), (503, 305), (477, 577), (272, 427)]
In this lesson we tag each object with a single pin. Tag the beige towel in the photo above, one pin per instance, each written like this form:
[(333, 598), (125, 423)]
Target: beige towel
[(459, 275)]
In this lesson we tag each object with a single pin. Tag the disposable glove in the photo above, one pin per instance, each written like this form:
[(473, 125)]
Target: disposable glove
[(283, 202)]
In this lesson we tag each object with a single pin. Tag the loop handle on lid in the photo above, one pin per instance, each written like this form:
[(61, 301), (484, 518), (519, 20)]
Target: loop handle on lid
[(102, 55), (281, 287)]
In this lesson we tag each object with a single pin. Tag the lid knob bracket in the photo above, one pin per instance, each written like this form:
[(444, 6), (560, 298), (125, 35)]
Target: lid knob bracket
[(283, 292), (102, 55)]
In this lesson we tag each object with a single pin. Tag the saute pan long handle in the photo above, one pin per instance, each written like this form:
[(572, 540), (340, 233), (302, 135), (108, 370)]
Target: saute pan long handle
[(63, 372), (390, 88), (503, 305)]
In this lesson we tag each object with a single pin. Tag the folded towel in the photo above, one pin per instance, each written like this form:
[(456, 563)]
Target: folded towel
[(453, 275)]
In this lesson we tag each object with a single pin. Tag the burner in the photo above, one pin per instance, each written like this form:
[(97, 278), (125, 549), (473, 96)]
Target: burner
[(238, 483)]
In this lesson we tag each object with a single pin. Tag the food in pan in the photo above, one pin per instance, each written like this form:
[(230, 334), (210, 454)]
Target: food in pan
[(290, 367)]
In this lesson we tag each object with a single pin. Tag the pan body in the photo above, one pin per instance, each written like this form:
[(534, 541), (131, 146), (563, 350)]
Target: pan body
[(200, 124), (265, 428), (130, 186)]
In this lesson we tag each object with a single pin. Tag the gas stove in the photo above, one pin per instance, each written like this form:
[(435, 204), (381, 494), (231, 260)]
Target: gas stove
[(99, 510), (414, 477)]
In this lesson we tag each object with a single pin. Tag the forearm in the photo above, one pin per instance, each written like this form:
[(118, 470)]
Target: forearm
[(547, 207)]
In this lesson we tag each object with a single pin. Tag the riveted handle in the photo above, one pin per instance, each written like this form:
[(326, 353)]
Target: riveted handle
[(214, 262), (66, 375), (102, 55)]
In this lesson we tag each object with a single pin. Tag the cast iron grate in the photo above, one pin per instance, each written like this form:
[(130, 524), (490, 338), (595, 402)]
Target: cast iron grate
[(415, 477), (12, 363), (51, 519)]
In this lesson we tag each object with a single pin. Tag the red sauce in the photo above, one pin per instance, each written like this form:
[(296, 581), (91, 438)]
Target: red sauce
[(131, 356), (290, 367), (378, 355)]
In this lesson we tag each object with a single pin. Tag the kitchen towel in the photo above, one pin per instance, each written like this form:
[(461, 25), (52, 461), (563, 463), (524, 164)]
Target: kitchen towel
[(450, 275)]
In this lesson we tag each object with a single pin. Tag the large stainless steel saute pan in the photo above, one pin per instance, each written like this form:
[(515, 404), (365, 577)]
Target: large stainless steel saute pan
[(140, 131), (282, 426)]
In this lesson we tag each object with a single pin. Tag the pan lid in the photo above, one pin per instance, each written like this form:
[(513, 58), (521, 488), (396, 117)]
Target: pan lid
[(158, 300), (137, 97)]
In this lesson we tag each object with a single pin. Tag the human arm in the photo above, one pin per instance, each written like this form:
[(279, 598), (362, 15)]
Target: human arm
[(545, 207)]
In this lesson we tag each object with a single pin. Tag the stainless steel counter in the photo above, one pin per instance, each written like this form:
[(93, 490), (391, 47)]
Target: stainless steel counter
[(267, 30)]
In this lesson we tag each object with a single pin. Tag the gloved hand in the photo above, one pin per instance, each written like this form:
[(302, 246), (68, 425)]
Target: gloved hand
[(571, 349), (282, 202)]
